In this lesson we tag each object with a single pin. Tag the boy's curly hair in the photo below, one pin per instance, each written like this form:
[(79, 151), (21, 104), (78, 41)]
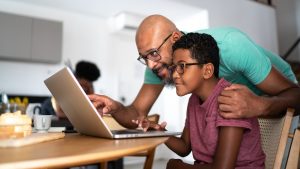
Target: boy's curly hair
[(202, 47)]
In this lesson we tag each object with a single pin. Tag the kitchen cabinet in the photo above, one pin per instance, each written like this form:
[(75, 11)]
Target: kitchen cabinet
[(15, 36), (24, 38), (46, 41)]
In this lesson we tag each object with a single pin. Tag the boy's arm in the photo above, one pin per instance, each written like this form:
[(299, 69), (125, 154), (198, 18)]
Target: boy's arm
[(230, 139), (229, 142), (182, 145)]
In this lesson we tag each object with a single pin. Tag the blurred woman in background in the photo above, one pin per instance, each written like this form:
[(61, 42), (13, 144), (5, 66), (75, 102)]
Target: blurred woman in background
[(86, 73)]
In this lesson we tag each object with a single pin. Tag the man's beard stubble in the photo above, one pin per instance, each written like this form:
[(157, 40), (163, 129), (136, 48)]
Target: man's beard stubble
[(168, 81)]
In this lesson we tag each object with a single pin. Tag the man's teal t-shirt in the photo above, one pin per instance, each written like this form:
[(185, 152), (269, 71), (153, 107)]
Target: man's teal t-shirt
[(241, 60)]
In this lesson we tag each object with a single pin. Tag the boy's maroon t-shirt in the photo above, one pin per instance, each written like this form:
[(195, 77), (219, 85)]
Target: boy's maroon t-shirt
[(203, 121)]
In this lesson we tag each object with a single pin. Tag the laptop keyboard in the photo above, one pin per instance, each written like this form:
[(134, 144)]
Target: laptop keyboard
[(126, 131)]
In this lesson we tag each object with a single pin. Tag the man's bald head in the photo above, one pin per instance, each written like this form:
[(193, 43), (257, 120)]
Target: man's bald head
[(154, 26), (154, 38)]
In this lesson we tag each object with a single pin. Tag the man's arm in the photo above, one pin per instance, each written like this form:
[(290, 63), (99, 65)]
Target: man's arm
[(237, 101), (125, 114)]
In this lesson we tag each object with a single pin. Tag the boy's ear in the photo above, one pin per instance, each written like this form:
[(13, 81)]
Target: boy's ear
[(208, 70)]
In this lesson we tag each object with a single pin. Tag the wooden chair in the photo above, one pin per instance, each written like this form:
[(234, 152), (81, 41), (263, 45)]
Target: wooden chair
[(293, 159), (274, 136), (149, 154)]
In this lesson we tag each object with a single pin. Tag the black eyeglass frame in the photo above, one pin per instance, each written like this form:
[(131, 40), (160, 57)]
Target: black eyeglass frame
[(180, 67), (143, 58)]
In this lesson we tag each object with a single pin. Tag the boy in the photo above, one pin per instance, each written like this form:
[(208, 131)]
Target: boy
[(214, 141)]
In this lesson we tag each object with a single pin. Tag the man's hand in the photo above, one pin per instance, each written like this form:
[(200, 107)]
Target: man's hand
[(104, 104), (146, 124), (237, 101)]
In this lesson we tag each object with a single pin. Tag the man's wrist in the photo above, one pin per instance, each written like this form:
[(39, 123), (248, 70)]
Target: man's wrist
[(264, 106), (118, 108)]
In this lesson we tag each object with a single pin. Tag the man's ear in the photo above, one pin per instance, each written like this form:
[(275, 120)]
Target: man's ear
[(175, 36), (208, 70)]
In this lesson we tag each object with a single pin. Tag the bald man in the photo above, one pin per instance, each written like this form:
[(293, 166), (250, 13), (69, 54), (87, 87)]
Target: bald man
[(253, 71)]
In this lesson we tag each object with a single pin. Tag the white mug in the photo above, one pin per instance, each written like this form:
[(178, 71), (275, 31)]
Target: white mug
[(42, 123), (30, 107)]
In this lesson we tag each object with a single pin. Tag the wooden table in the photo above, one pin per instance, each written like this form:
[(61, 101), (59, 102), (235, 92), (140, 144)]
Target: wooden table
[(74, 150)]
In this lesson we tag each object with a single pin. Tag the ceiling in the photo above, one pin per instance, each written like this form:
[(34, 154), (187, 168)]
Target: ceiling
[(108, 8)]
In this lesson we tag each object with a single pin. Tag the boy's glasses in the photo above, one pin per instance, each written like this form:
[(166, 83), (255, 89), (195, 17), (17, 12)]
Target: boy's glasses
[(180, 67), (153, 55)]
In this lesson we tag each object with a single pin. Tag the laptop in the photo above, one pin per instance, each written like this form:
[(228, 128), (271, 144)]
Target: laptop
[(81, 112)]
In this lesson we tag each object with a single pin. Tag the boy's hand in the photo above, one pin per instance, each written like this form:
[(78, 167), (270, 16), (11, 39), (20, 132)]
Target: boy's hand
[(145, 124)]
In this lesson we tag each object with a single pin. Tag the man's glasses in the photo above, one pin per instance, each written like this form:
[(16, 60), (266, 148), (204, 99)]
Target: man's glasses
[(153, 55), (180, 67)]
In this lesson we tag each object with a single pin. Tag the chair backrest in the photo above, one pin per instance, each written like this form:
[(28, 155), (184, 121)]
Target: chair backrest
[(293, 158), (274, 136)]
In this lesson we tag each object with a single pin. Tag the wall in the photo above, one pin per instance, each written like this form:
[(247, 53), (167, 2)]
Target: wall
[(256, 19), (287, 13)]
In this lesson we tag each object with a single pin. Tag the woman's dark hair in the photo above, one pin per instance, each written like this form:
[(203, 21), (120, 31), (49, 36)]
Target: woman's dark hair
[(87, 70), (202, 47)]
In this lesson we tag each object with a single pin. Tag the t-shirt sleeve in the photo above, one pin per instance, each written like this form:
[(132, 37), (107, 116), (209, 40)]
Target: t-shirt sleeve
[(243, 56), (280, 64), (151, 78), (243, 123)]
